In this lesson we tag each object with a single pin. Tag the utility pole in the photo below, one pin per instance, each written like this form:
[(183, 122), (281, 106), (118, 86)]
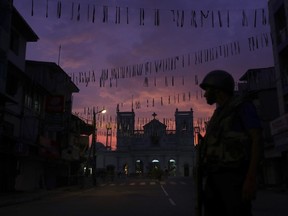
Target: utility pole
[(94, 148), (94, 139)]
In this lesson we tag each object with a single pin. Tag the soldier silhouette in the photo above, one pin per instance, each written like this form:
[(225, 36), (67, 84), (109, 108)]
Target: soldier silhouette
[(230, 149)]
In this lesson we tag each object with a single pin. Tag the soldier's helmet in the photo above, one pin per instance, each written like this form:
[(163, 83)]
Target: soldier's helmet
[(219, 79)]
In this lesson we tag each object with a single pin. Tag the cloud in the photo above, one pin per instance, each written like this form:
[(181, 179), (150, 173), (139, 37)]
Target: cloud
[(87, 46)]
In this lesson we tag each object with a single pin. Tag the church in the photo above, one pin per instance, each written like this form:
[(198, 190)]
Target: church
[(142, 152)]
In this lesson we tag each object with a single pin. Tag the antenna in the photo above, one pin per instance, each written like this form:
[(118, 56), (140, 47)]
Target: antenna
[(59, 52), (132, 103)]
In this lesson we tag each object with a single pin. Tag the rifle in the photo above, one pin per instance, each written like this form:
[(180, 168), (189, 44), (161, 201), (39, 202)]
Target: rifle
[(199, 177)]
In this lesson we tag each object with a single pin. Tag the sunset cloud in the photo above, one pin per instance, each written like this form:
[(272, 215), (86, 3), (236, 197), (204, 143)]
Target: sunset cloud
[(87, 46)]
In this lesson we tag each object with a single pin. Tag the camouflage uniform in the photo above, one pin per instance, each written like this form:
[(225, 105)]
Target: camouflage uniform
[(225, 157)]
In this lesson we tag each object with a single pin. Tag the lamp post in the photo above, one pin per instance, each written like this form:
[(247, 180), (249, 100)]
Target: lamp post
[(94, 144)]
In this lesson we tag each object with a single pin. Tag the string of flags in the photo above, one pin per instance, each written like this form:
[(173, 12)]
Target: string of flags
[(150, 69), (201, 18), (104, 122), (174, 99), (193, 18)]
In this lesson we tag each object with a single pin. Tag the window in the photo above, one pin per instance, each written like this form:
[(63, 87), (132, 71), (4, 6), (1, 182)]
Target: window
[(14, 42), (12, 84), (184, 125), (37, 103), (28, 98)]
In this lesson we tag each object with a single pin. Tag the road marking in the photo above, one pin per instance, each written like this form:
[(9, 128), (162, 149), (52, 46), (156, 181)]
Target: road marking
[(143, 183), (165, 192), (170, 199), (172, 202)]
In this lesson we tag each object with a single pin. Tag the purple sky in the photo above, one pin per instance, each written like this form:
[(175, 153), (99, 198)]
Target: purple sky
[(88, 46)]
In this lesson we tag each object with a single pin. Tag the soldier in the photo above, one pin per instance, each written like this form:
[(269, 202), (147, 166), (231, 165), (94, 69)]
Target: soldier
[(230, 150)]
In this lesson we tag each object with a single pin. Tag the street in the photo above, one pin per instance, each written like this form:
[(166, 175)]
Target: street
[(132, 196), (129, 197)]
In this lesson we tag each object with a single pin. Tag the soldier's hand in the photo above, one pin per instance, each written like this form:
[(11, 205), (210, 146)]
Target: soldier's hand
[(249, 187)]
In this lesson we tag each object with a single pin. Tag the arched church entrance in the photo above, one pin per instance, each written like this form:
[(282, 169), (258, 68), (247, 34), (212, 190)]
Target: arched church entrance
[(155, 169), (139, 167), (172, 167)]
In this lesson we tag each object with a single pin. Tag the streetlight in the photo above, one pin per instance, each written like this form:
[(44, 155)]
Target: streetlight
[(94, 143)]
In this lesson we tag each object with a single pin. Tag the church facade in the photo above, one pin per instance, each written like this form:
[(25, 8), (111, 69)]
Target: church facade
[(141, 152)]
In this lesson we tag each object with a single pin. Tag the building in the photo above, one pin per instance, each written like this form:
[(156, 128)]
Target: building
[(15, 33), (142, 152), (75, 153), (42, 144), (278, 17), (260, 85), (46, 127)]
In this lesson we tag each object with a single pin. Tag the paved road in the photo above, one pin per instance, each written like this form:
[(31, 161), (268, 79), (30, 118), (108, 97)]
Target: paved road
[(269, 202), (139, 197)]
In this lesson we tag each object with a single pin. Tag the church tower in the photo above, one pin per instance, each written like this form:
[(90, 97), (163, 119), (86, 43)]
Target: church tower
[(125, 128), (184, 127)]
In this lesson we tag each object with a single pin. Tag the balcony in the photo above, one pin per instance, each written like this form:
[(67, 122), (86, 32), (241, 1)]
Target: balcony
[(279, 125)]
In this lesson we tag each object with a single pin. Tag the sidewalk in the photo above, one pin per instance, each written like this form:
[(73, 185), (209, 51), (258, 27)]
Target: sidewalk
[(271, 202)]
